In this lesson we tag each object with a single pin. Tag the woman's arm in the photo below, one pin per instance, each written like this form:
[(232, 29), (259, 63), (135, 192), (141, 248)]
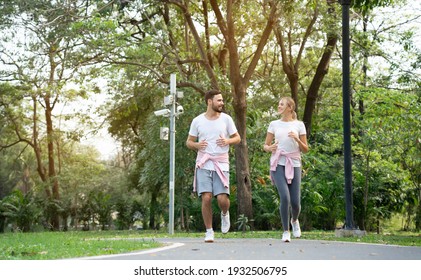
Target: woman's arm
[(301, 140)]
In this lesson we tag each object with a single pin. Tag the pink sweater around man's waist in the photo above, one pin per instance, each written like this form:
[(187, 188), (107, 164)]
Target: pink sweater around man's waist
[(202, 158)]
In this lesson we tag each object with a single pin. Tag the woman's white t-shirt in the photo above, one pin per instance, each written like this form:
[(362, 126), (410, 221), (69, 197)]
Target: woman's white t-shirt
[(211, 130), (280, 130)]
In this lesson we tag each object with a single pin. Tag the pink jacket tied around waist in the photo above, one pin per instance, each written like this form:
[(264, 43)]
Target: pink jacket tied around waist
[(202, 158), (289, 166)]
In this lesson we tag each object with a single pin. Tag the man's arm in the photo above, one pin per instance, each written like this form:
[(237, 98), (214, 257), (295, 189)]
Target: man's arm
[(192, 143), (235, 139)]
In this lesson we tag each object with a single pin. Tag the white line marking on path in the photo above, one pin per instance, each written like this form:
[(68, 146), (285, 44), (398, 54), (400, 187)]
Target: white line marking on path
[(151, 251)]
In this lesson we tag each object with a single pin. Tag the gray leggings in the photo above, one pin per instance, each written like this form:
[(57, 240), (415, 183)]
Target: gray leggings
[(289, 194)]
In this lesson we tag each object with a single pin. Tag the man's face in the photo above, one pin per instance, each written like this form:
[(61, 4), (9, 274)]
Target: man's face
[(218, 103)]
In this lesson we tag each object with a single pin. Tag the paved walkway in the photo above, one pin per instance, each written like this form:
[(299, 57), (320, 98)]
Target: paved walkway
[(268, 249)]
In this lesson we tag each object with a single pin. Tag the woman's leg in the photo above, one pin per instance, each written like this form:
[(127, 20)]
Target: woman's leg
[(295, 193), (284, 196)]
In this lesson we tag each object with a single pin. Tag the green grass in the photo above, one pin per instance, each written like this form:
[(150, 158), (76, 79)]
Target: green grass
[(62, 245), (395, 238), (398, 238), (73, 244)]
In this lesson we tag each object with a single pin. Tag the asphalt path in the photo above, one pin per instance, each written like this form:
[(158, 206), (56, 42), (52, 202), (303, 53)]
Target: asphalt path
[(267, 249)]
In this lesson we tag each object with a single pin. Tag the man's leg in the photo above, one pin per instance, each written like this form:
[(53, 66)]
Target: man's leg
[(222, 196), (224, 205), (204, 187), (223, 202), (207, 209)]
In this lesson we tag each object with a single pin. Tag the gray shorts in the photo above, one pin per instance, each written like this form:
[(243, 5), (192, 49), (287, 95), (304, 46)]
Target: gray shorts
[(209, 181)]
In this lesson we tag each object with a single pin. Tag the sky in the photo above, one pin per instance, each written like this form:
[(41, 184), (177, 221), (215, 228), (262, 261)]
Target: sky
[(101, 140)]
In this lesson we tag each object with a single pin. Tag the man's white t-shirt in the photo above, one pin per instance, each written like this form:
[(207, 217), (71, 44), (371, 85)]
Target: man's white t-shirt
[(280, 130), (210, 131)]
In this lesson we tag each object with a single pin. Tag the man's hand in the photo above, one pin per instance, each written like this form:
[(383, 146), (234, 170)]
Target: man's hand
[(202, 145), (221, 141)]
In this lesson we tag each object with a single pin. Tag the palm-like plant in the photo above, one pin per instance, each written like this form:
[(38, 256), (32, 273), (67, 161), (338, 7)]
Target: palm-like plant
[(243, 223), (21, 209), (2, 216)]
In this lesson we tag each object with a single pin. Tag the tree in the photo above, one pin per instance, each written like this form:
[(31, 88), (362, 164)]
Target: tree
[(374, 32), (41, 64), (241, 68), (210, 57), (384, 175), (332, 36)]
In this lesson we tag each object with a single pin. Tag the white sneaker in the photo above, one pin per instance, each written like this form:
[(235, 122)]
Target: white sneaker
[(296, 231), (209, 236), (286, 236), (225, 222)]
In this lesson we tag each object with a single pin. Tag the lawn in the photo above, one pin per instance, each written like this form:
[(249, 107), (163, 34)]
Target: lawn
[(74, 244)]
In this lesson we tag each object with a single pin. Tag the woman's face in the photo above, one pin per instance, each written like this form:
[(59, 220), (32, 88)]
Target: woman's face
[(283, 106)]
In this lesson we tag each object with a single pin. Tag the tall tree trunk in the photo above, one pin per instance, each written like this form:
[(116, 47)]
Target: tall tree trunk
[(244, 196), (239, 85), (291, 67), (55, 220), (363, 224), (49, 106), (418, 212), (36, 146), (365, 65), (153, 207), (321, 71)]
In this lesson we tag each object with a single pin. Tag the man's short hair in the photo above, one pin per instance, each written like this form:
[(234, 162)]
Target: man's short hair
[(210, 94)]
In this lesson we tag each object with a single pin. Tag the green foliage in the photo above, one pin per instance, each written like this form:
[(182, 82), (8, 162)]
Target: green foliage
[(103, 208), (21, 210), (386, 154), (322, 195), (367, 5), (125, 213), (243, 223), (2, 216), (266, 207), (96, 208)]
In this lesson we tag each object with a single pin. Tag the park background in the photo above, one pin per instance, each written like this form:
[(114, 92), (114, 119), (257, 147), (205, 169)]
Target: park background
[(72, 69)]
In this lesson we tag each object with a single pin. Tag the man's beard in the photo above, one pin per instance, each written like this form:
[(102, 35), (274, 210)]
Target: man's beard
[(218, 109)]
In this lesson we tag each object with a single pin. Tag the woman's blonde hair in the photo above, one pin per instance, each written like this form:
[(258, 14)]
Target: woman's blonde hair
[(291, 104)]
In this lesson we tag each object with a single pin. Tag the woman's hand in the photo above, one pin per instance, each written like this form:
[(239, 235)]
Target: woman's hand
[(293, 135), (301, 140), (271, 148)]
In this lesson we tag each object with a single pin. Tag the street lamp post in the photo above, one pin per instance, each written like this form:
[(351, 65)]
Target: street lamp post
[(174, 111), (346, 96), (172, 154)]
